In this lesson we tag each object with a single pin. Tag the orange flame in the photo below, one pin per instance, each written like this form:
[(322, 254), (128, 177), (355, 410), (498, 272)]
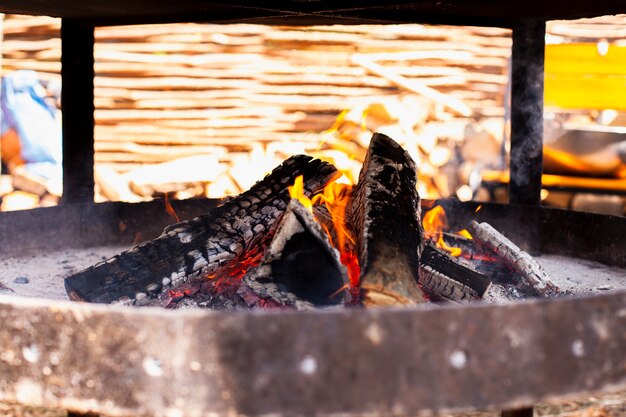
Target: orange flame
[(335, 196), (434, 222), (169, 209), (465, 234)]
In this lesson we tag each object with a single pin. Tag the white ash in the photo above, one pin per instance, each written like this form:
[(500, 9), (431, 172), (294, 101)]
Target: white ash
[(45, 272)]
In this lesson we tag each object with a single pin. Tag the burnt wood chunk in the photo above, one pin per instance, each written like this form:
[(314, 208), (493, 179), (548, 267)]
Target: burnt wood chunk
[(264, 295), (445, 278), (200, 246), (301, 261), (531, 278), (385, 218)]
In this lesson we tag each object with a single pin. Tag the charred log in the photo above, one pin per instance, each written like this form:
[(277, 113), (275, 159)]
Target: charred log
[(200, 246), (385, 216), (264, 295), (300, 261), (530, 277), (202, 293), (445, 278)]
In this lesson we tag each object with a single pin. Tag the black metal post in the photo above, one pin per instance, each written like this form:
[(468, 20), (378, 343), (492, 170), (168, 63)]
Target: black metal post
[(527, 69), (77, 74)]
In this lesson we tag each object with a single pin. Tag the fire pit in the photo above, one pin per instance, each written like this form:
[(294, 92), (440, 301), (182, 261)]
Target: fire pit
[(121, 360), (466, 357)]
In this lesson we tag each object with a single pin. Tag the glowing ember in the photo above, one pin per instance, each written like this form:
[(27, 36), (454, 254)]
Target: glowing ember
[(335, 198), (435, 222)]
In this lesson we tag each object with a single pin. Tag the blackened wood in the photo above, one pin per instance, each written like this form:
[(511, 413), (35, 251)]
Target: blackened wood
[(531, 277), (446, 278), (588, 236), (77, 74), (440, 287), (299, 270), (527, 63), (384, 216), (518, 412), (263, 295), (301, 260), (200, 246), (77, 414)]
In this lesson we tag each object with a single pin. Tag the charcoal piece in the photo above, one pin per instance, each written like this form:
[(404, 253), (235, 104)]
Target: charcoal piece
[(300, 267), (444, 277), (529, 277), (257, 294), (200, 246), (498, 293), (440, 287), (385, 216)]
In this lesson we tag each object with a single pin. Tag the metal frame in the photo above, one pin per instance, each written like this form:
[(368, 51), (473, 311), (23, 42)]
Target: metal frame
[(77, 95), (154, 362), (527, 63), (526, 110)]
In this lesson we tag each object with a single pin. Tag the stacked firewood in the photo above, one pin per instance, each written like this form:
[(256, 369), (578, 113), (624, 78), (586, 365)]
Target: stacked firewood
[(23, 190), (253, 95), (237, 99)]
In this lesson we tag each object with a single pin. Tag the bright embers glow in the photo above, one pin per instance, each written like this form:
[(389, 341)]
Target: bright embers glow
[(435, 222), (335, 197)]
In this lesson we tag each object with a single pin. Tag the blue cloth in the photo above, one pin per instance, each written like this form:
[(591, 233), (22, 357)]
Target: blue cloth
[(25, 109)]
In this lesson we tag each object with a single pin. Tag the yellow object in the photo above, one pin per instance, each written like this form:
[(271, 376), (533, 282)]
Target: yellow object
[(585, 76), (554, 181)]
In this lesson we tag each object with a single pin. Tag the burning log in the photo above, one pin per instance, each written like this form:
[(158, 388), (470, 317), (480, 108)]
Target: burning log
[(303, 260), (533, 279), (300, 267), (385, 216), (446, 278), (200, 246)]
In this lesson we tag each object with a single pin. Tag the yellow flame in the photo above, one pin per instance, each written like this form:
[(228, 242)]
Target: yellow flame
[(336, 197), (297, 191), (434, 222), (465, 234)]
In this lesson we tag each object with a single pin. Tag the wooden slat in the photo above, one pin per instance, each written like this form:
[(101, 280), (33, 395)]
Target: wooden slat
[(172, 90)]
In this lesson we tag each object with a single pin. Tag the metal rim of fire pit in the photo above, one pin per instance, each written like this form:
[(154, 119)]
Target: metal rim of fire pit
[(123, 361)]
